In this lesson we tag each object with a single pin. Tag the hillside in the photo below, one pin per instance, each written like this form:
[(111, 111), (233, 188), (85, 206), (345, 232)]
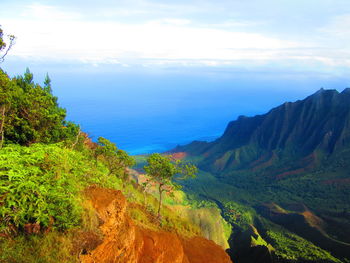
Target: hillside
[(291, 138), (296, 155), (65, 198)]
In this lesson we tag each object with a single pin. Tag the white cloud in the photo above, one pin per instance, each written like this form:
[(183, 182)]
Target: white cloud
[(339, 26), (49, 33), (44, 13)]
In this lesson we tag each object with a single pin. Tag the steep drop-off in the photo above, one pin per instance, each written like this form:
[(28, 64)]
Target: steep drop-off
[(297, 153), (124, 241)]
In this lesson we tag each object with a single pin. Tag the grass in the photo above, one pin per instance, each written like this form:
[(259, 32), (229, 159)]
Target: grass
[(179, 213), (48, 248), (289, 246)]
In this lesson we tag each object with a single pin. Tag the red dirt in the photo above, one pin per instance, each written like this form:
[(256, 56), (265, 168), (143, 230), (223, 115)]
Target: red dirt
[(179, 155), (262, 163), (201, 250), (313, 220), (125, 242), (293, 172), (88, 142), (340, 181)]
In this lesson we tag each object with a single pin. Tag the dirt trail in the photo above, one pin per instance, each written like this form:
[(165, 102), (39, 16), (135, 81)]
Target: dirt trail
[(125, 242)]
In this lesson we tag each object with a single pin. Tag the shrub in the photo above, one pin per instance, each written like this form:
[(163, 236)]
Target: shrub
[(40, 185)]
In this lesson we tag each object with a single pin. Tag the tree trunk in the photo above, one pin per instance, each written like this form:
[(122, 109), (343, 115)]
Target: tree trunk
[(2, 127), (76, 139), (160, 199)]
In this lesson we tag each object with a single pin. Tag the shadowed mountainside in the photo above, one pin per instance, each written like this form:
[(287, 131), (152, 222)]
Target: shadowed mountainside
[(297, 153), (289, 139)]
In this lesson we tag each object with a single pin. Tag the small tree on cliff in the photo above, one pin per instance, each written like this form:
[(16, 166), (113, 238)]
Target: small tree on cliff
[(115, 159), (163, 169)]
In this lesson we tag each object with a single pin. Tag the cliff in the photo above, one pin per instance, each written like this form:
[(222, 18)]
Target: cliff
[(124, 241)]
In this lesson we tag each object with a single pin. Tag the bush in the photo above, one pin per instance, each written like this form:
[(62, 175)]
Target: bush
[(41, 185), (30, 113)]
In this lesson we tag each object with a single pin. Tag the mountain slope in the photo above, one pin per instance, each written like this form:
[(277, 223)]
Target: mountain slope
[(296, 155), (295, 134), (124, 241)]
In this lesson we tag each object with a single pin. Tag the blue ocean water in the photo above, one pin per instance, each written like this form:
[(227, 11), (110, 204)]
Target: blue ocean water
[(144, 112)]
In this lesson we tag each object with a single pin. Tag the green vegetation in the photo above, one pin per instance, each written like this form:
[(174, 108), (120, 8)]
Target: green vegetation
[(41, 185), (239, 203), (179, 214), (162, 170), (3, 44), (292, 247), (46, 163), (239, 215), (30, 113), (115, 159), (49, 248)]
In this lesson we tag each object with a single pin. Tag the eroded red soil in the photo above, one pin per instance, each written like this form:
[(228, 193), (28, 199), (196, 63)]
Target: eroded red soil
[(125, 242)]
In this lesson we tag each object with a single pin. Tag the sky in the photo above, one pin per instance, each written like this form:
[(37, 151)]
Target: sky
[(269, 35), (146, 73)]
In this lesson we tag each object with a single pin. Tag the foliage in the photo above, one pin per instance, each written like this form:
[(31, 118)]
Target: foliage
[(41, 185), (3, 44), (31, 113), (289, 246), (49, 248), (238, 215), (162, 170), (115, 159), (237, 197)]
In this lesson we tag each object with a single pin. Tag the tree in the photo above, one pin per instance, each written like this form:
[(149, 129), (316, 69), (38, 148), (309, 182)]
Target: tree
[(163, 169), (115, 159), (3, 44), (47, 84), (29, 113)]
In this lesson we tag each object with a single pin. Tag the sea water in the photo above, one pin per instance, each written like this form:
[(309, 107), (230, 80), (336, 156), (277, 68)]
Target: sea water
[(147, 111), (145, 114)]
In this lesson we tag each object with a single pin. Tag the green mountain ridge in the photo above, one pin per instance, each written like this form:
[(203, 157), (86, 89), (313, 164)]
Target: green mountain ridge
[(296, 134), (295, 158)]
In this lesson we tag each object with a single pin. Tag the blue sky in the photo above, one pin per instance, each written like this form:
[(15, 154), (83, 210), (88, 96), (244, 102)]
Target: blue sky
[(300, 36)]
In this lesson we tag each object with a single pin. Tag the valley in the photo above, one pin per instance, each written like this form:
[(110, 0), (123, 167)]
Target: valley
[(287, 173)]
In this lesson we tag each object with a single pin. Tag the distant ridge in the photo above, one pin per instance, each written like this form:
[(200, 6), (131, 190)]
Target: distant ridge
[(296, 135), (291, 167)]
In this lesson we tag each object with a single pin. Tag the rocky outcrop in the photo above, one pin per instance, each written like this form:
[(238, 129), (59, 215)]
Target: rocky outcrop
[(248, 246), (125, 242)]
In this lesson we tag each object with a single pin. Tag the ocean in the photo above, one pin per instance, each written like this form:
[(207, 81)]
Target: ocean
[(145, 114), (154, 111)]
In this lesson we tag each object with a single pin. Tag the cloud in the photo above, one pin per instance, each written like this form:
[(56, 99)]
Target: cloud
[(48, 32), (51, 33), (339, 26), (43, 13)]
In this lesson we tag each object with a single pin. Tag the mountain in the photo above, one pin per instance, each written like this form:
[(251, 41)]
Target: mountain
[(290, 138), (286, 173)]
